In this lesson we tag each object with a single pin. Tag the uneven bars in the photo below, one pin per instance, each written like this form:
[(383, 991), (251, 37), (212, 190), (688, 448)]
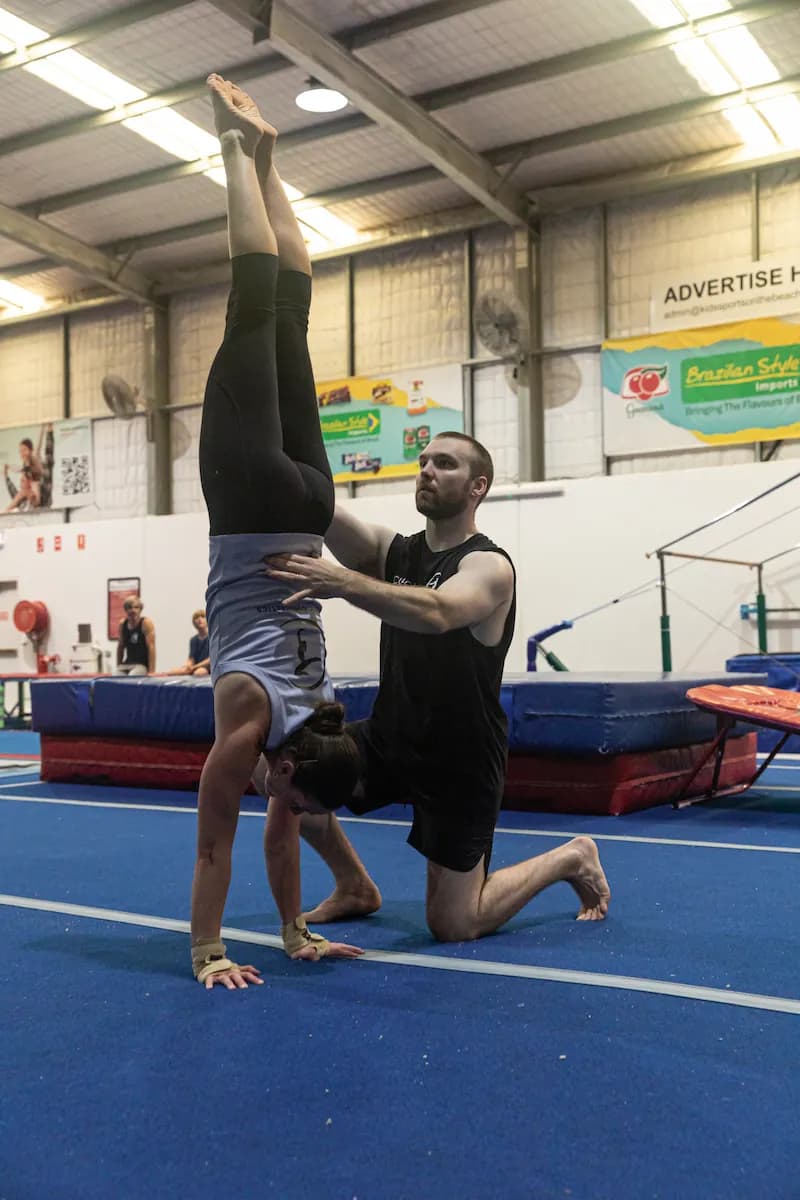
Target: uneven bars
[(736, 508)]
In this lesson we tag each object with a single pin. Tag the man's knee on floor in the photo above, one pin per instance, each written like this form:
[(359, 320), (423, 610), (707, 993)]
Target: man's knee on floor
[(448, 926), (452, 902)]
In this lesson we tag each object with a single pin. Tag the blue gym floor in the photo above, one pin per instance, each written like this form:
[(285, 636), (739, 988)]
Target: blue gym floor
[(654, 1055)]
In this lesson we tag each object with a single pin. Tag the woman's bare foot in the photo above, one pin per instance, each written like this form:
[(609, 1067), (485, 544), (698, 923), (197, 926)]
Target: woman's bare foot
[(343, 904), (235, 110), (589, 881)]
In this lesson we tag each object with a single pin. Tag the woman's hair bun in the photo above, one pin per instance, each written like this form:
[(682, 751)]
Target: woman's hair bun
[(327, 719)]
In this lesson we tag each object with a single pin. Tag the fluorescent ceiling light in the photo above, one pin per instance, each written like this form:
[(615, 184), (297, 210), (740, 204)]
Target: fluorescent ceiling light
[(175, 134), (724, 62), (742, 53), (317, 98), (783, 114), (660, 13), (322, 221), (706, 68), (19, 298), (85, 80), (695, 9), (753, 131)]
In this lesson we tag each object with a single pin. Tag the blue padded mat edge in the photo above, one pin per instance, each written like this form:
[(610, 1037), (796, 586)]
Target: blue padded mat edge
[(603, 713)]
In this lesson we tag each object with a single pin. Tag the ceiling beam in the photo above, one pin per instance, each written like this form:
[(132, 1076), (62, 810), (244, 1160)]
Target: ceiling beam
[(69, 252), (88, 31), (438, 224), (382, 28), (698, 168), (671, 114), (126, 183), (326, 59), (60, 310)]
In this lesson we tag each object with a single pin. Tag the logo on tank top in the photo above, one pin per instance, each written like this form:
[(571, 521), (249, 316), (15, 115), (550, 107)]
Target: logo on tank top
[(308, 642), (433, 582)]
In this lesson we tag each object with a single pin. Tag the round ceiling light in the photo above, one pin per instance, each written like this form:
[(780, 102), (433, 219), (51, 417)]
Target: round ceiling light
[(317, 98)]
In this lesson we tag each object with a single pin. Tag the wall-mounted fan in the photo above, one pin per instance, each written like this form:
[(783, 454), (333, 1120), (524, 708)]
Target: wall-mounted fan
[(123, 400), (500, 322)]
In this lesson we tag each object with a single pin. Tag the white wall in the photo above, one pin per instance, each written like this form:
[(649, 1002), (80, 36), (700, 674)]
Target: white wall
[(573, 551)]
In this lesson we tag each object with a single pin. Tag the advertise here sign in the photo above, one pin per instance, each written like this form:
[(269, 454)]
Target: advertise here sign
[(715, 295)]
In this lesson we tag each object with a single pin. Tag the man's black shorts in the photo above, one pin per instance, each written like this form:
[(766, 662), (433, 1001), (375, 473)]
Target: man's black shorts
[(453, 823)]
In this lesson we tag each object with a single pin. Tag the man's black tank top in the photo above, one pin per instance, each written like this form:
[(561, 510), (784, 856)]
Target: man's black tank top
[(438, 713), (134, 644)]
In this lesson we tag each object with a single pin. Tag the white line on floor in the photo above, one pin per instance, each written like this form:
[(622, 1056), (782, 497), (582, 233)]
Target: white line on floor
[(543, 833), (437, 962)]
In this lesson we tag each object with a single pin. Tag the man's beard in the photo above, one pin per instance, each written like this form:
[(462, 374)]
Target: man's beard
[(438, 509)]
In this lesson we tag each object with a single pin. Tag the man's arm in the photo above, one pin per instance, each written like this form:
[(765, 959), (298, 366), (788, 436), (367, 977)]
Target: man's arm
[(150, 638), (357, 545), (483, 583), (119, 642)]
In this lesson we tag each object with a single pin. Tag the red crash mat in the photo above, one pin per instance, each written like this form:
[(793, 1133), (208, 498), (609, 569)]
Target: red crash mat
[(772, 707)]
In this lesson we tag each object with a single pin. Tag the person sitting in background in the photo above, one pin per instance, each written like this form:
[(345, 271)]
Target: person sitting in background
[(198, 662), (136, 647)]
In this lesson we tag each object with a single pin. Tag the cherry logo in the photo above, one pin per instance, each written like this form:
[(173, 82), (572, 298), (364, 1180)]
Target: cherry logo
[(642, 383)]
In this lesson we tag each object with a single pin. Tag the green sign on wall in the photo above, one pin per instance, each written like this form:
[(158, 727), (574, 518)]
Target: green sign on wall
[(363, 423), (741, 375)]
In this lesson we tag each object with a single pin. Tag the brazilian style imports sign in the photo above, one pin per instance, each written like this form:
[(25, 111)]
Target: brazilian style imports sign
[(377, 427), (690, 388)]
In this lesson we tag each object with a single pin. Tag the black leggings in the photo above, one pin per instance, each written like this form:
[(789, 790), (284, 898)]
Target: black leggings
[(263, 466)]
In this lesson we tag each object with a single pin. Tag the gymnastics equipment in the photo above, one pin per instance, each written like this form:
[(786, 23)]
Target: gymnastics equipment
[(535, 647), (666, 551), (592, 743), (769, 708)]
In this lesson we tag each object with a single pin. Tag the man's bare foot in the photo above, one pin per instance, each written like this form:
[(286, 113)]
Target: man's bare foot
[(589, 881), (235, 110), (344, 904)]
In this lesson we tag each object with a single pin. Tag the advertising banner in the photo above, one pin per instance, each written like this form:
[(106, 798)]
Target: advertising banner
[(47, 466), (721, 386), (733, 291), (375, 427)]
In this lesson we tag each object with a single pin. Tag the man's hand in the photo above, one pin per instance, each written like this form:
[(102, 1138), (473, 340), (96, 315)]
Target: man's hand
[(335, 950), (316, 577), (236, 977)]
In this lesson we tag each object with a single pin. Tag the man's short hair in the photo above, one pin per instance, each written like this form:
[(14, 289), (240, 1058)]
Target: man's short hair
[(131, 601), (480, 458), (198, 612)]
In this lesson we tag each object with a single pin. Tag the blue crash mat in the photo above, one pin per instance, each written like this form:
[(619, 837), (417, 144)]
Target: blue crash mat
[(559, 713), (606, 713)]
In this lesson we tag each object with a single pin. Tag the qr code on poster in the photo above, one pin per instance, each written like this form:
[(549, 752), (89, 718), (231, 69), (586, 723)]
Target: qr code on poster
[(75, 475)]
